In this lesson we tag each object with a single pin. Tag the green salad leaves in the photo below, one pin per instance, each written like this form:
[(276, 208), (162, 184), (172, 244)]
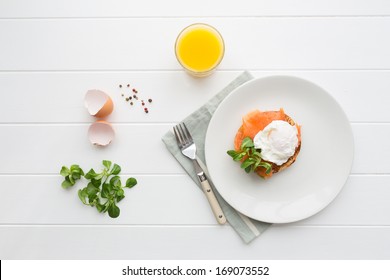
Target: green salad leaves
[(249, 156), (71, 175), (103, 191)]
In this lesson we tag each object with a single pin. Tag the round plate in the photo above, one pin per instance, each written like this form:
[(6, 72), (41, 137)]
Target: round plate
[(322, 166)]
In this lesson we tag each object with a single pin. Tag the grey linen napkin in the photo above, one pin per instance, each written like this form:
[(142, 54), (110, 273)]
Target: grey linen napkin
[(197, 124)]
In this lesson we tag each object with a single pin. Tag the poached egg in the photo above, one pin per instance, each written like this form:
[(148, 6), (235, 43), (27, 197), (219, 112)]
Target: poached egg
[(277, 141)]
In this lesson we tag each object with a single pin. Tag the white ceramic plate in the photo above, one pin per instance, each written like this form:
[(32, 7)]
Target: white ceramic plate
[(321, 169)]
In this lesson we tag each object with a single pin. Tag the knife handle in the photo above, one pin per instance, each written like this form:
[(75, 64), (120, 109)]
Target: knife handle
[(213, 202)]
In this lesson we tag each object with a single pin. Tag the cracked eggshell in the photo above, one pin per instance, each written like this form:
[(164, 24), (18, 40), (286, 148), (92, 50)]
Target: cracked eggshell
[(101, 133), (98, 103)]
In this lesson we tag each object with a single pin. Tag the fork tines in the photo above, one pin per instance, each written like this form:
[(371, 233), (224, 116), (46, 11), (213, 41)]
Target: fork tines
[(183, 136)]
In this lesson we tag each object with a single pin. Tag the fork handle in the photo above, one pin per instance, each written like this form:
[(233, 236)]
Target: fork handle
[(213, 202)]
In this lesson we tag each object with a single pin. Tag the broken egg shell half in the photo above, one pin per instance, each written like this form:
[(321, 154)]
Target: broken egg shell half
[(101, 133), (98, 103)]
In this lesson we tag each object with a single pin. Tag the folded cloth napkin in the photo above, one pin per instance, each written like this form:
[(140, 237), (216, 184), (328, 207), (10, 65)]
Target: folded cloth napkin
[(197, 124)]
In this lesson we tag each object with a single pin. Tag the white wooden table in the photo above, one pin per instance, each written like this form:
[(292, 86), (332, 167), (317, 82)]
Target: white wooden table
[(52, 52)]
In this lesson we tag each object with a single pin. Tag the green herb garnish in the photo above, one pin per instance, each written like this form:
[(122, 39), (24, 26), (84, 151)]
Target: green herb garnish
[(71, 175), (250, 157), (104, 190)]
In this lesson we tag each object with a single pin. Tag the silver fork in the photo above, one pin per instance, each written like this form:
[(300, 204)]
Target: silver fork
[(188, 148)]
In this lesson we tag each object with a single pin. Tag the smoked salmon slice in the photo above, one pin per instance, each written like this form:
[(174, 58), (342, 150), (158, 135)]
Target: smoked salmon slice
[(254, 122)]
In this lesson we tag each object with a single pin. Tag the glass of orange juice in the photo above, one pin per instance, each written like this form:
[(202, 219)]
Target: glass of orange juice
[(199, 48)]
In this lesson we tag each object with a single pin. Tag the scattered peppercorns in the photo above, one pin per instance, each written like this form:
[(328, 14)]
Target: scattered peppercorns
[(133, 98)]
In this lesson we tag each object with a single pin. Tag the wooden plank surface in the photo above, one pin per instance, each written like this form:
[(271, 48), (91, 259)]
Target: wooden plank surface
[(39, 199), (182, 242), (52, 52), (130, 44), (64, 92), (22, 146), (177, 8)]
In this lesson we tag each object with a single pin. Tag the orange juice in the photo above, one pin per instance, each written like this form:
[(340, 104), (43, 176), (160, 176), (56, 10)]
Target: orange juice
[(199, 49)]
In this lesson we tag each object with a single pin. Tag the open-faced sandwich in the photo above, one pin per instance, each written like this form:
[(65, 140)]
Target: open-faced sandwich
[(267, 142)]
